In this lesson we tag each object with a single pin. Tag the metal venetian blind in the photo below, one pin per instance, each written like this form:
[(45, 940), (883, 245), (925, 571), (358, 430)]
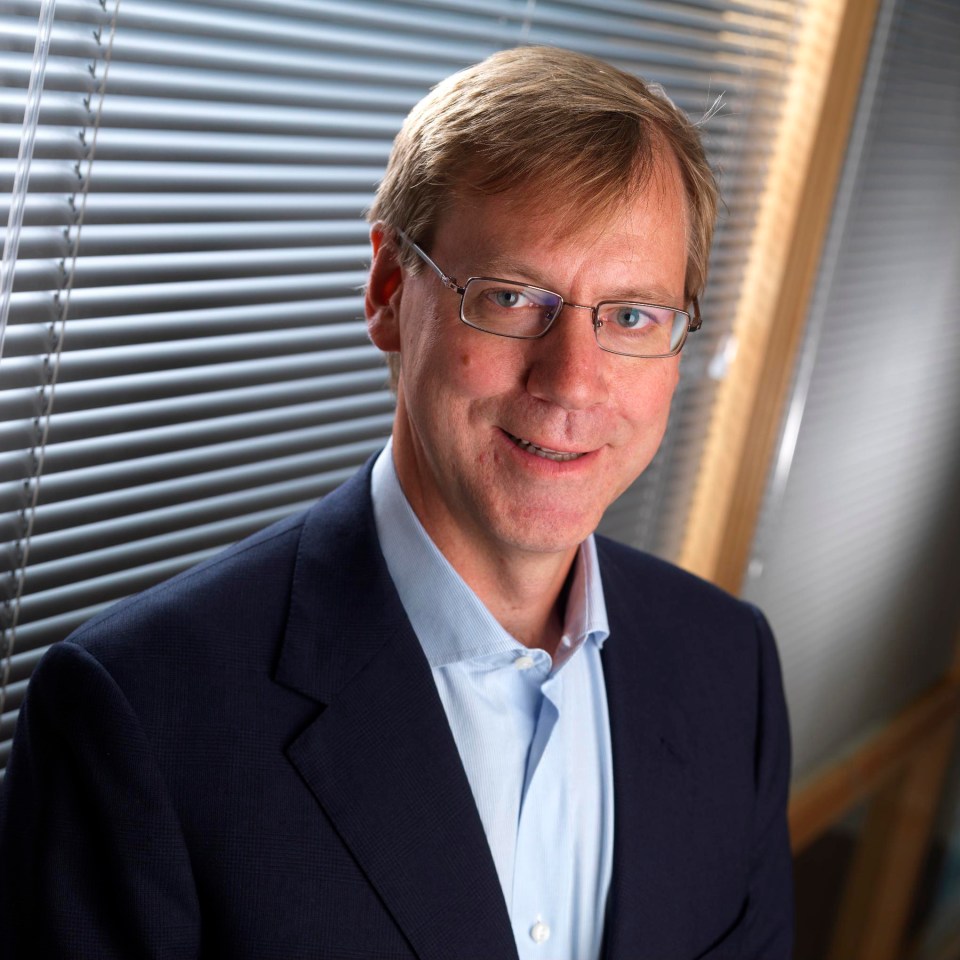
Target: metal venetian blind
[(856, 557), (185, 360)]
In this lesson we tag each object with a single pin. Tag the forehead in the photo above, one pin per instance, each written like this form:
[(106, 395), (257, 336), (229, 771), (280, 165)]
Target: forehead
[(545, 234)]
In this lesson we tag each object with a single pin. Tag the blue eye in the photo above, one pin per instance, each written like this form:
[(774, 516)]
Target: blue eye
[(630, 317), (506, 298)]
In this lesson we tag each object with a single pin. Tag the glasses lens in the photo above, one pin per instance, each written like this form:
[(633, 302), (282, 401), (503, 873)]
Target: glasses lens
[(509, 309), (640, 329)]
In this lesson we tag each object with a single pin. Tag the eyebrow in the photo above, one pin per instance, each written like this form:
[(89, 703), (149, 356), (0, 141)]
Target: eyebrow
[(505, 267)]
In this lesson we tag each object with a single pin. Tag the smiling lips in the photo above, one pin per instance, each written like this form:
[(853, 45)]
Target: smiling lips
[(544, 452)]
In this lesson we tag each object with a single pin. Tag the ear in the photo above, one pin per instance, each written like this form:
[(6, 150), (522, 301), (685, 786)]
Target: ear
[(384, 290)]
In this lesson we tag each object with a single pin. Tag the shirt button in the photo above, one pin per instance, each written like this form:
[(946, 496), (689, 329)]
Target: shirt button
[(539, 932), (524, 662)]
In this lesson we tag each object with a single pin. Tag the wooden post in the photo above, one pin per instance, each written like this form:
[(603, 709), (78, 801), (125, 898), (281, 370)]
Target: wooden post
[(795, 209), (899, 771), (854, 778), (880, 888)]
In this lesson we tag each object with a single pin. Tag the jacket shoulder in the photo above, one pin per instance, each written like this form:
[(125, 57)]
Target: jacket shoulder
[(222, 589), (666, 588), (712, 649)]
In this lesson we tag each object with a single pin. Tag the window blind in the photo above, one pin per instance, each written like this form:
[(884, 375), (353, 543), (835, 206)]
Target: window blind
[(185, 359)]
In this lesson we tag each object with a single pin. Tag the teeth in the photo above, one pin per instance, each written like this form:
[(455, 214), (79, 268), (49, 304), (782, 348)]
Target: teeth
[(544, 452)]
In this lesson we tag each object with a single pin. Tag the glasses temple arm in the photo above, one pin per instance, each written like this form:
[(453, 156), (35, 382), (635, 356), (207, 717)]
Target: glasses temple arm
[(444, 279)]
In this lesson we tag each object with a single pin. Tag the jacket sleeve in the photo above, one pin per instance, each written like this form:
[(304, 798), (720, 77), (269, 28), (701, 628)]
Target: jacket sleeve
[(94, 861), (769, 923)]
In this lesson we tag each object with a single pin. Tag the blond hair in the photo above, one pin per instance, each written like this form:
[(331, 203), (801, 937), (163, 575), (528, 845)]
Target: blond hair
[(572, 130)]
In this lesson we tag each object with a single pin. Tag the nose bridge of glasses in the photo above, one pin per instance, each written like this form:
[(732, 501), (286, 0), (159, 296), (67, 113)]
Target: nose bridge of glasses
[(580, 306)]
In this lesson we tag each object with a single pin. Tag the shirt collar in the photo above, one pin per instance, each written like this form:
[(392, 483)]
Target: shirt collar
[(451, 622)]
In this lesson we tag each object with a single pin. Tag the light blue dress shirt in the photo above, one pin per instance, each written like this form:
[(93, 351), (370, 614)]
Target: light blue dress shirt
[(533, 732)]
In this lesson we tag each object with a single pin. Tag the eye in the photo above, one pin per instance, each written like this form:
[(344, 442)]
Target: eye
[(507, 298), (630, 317)]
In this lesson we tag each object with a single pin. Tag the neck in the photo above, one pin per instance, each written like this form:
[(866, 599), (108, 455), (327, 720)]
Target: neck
[(537, 627), (526, 593)]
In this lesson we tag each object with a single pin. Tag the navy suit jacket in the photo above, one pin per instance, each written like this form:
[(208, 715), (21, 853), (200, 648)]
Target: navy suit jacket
[(252, 761)]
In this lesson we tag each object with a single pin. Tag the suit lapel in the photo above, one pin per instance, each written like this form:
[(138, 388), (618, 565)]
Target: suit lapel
[(380, 759), (653, 792)]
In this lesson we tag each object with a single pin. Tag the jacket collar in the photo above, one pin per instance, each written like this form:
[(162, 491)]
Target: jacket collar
[(380, 758)]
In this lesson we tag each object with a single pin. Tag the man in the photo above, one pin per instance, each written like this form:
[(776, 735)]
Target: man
[(434, 717)]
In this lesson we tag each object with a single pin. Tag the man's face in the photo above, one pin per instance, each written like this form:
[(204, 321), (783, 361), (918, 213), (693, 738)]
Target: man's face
[(469, 403)]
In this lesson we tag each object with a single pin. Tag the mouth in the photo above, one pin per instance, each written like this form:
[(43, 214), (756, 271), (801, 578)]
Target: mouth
[(558, 456)]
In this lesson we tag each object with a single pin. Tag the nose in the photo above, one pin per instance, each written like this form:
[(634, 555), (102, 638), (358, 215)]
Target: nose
[(567, 367)]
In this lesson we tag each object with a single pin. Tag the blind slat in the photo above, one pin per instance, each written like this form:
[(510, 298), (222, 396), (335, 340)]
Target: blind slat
[(327, 375), (114, 301), (102, 493), (167, 441), (120, 270), (72, 556), (134, 420), (28, 339)]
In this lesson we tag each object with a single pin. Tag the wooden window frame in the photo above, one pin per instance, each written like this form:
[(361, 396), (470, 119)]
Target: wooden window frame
[(898, 771)]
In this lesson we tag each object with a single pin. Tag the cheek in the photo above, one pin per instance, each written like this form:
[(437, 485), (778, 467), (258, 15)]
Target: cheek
[(448, 373), (476, 365), (646, 398), (422, 347)]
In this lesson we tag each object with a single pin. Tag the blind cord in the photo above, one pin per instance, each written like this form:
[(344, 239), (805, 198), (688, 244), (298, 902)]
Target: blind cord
[(21, 177), (53, 368)]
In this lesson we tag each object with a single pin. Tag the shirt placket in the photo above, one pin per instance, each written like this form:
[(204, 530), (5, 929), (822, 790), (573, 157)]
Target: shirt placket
[(540, 874)]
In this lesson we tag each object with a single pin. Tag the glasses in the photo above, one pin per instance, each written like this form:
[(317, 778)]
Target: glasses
[(521, 311)]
